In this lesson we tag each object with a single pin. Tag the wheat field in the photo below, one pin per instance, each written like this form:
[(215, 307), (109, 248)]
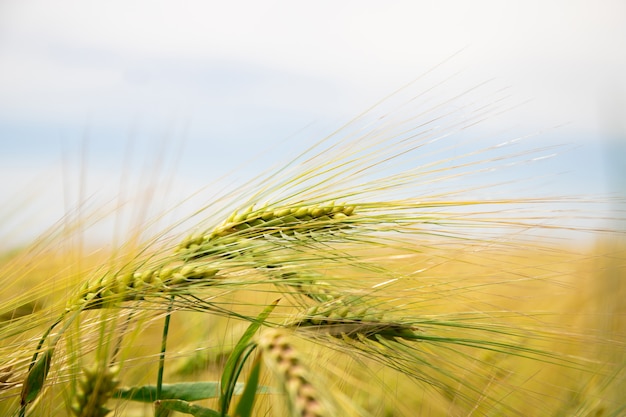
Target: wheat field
[(357, 279)]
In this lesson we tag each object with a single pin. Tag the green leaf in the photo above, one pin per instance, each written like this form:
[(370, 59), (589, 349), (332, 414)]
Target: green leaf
[(186, 391), (244, 407), (238, 357), (36, 377), (185, 407)]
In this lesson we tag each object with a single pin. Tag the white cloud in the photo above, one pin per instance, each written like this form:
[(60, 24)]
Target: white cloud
[(69, 58)]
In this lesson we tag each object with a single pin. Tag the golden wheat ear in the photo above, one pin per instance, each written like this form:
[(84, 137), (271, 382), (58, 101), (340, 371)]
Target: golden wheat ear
[(353, 319), (305, 397)]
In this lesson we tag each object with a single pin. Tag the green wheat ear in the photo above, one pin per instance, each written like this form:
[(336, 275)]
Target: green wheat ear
[(227, 240), (117, 288), (95, 387)]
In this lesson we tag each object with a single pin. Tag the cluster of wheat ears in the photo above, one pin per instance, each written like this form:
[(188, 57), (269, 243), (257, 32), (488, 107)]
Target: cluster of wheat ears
[(351, 281)]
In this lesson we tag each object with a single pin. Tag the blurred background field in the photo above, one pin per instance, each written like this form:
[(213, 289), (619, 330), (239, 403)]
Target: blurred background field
[(574, 295)]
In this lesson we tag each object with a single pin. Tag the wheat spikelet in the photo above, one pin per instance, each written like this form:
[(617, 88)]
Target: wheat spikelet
[(95, 387), (305, 398)]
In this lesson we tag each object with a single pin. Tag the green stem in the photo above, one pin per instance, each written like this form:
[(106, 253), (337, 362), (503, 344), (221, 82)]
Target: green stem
[(166, 327)]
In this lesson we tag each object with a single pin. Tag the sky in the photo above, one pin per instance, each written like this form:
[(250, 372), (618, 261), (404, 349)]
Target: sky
[(86, 86)]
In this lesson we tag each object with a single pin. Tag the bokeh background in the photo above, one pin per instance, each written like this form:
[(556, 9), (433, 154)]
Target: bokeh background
[(102, 98)]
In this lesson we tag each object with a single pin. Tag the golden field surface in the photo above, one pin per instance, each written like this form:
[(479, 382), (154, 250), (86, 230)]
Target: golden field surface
[(564, 303)]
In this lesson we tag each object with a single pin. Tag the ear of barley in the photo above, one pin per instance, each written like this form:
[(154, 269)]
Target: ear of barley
[(227, 240), (285, 221), (95, 388), (354, 320), (305, 398), (113, 289)]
